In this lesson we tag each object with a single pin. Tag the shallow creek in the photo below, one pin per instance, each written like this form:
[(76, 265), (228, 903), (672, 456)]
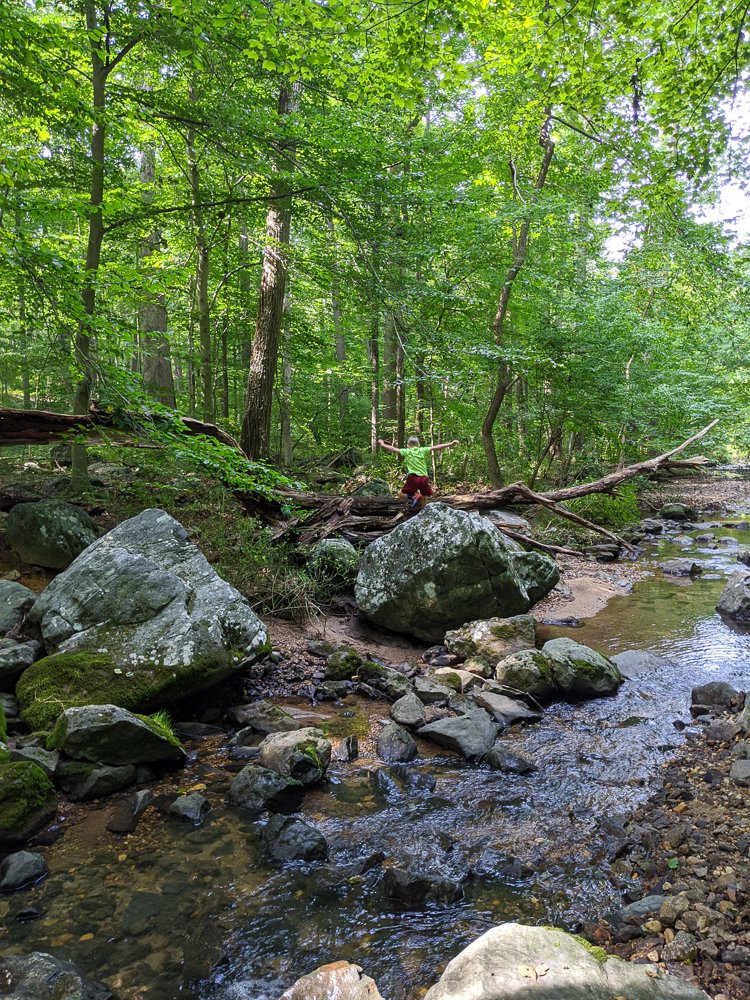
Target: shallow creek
[(173, 911)]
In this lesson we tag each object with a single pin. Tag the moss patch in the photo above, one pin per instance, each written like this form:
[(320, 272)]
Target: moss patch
[(71, 680), (593, 949), (27, 801)]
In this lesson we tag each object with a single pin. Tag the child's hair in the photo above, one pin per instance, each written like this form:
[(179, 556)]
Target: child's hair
[(412, 442)]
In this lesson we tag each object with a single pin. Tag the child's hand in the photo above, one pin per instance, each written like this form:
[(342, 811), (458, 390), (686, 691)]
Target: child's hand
[(455, 442)]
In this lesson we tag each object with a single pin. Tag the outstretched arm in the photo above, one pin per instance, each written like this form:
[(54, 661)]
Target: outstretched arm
[(448, 444), (389, 447)]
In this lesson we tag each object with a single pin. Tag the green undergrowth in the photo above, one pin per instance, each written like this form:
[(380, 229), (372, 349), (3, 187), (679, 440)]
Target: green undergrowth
[(161, 723)]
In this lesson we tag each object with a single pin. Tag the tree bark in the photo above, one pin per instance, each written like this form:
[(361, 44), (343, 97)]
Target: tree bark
[(202, 267), (256, 424), (338, 325), (286, 389), (504, 379), (158, 379)]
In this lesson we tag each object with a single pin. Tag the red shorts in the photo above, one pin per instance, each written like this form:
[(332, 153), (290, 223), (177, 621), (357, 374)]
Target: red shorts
[(417, 484)]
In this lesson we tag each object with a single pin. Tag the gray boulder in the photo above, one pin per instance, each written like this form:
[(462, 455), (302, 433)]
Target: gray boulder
[(395, 744), (471, 735), (263, 717), (493, 639), (743, 719), (734, 601), (438, 570), (529, 671), (538, 573), (21, 868), (303, 755), (408, 711), (15, 601), (501, 759), (49, 533), (37, 976), (636, 662), (337, 560), (191, 808), (515, 962), (373, 488), (15, 657), (430, 691), (145, 595), (287, 838), (680, 567), (743, 556), (427, 870), (336, 981), (108, 734), (715, 693), (505, 710), (385, 679), (82, 781), (128, 811), (580, 671), (740, 773), (259, 788), (677, 512), (47, 760)]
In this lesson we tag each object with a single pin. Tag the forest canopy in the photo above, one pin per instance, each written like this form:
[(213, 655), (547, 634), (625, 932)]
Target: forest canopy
[(319, 224)]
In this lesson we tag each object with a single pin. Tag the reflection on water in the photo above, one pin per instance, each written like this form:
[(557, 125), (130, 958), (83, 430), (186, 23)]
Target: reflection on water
[(172, 911)]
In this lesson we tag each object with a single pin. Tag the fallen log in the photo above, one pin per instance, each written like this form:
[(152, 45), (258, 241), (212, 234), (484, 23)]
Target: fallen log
[(364, 518), (30, 427)]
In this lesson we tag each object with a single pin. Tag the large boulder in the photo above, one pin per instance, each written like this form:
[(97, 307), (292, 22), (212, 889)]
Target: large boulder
[(27, 802), (395, 743), (107, 734), (15, 601), (49, 533), (303, 755), (580, 671), (515, 962), (336, 560), (264, 717), (538, 573), (677, 512), (529, 671), (438, 570), (142, 604), (335, 981), (38, 976), (259, 788), (82, 781), (15, 657), (288, 838), (471, 734), (734, 601), (493, 639)]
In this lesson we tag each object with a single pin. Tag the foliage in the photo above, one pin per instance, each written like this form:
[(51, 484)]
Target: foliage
[(618, 511), (415, 155), (161, 722)]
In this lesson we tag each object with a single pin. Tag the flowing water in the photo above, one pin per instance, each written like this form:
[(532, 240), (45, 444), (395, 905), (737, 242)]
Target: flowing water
[(173, 911)]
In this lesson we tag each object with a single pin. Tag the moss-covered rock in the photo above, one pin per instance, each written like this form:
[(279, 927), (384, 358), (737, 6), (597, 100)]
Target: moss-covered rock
[(108, 734), (342, 665), (303, 755), (529, 671), (493, 638), (69, 680), (82, 781), (27, 802), (49, 533), (579, 671), (337, 561)]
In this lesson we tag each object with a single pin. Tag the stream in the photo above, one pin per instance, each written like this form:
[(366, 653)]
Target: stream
[(173, 911)]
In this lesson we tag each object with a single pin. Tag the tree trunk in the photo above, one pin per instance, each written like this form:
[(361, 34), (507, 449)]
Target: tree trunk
[(286, 389), (202, 266), (400, 385), (256, 424), (338, 326), (158, 379), (373, 353), (504, 379), (85, 332), (23, 328), (390, 376)]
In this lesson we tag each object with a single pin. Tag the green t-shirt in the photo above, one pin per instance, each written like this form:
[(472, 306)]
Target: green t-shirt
[(415, 460)]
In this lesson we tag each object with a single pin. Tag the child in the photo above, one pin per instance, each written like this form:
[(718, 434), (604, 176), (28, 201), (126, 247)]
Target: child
[(417, 486)]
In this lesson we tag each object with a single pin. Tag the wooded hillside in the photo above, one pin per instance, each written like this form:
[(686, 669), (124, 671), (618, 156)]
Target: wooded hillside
[(318, 225)]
